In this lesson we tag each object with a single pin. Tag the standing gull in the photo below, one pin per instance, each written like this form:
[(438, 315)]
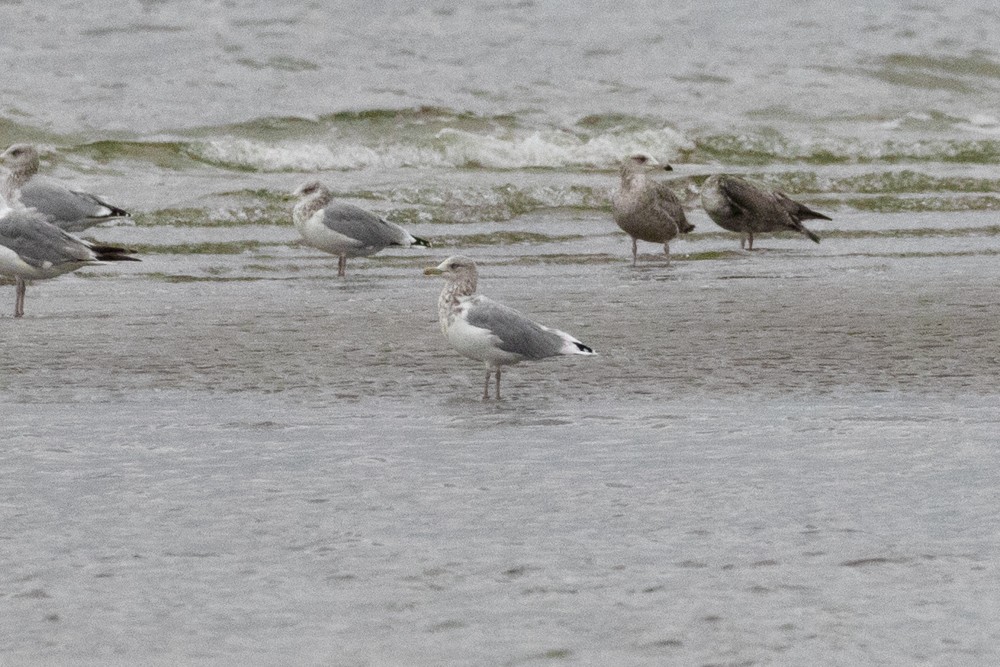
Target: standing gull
[(645, 209), (71, 210), (342, 229), (734, 204), (32, 248), (490, 332)]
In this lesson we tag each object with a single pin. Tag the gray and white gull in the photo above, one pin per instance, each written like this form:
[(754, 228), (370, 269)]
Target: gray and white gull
[(739, 206), (71, 210), (342, 229), (645, 209), (490, 332), (31, 248)]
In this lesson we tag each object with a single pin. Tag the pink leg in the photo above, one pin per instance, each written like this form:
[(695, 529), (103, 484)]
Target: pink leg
[(634, 250), (498, 383), (666, 250), (19, 289), (342, 265), (486, 387)]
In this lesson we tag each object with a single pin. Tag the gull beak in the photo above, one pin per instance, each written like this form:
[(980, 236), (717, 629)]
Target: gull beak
[(438, 270)]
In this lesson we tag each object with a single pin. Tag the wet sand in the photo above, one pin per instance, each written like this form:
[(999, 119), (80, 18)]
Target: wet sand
[(773, 321), (776, 455)]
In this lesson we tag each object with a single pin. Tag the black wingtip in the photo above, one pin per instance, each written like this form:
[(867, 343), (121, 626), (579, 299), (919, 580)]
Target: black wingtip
[(116, 212), (118, 257), (583, 348), (110, 253), (806, 213), (421, 242)]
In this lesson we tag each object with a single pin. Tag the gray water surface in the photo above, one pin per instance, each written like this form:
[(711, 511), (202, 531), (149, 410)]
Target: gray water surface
[(226, 455), (771, 461)]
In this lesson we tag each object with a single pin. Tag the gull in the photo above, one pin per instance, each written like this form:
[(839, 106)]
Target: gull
[(487, 331), (71, 210), (342, 229), (645, 209), (737, 205), (31, 248)]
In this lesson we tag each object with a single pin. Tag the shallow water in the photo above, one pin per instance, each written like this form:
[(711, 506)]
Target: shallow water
[(775, 456), (694, 530), (226, 455)]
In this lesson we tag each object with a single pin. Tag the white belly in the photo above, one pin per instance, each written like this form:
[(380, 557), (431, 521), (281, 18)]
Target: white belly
[(320, 236), (479, 344)]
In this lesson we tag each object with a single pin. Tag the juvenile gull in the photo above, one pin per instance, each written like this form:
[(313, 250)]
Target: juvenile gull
[(490, 332), (645, 209), (71, 210), (32, 249), (735, 204), (342, 229)]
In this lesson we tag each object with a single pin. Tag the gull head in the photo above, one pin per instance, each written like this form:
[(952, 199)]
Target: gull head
[(456, 267), (20, 158), (462, 277), (642, 162), (309, 189)]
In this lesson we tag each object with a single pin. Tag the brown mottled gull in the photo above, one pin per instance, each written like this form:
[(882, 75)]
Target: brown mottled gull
[(487, 331), (342, 229), (737, 205), (645, 209)]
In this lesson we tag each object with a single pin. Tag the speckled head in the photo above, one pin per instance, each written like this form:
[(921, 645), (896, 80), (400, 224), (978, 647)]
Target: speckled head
[(635, 166), (456, 268), (312, 196), (643, 161), (310, 188), (21, 159)]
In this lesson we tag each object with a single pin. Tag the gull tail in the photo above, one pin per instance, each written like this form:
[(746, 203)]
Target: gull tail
[(806, 213), (572, 345), (799, 211)]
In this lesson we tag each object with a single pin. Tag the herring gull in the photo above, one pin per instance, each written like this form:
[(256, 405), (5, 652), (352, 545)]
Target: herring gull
[(342, 229), (645, 209), (71, 210), (487, 331), (31, 248), (737, 205)]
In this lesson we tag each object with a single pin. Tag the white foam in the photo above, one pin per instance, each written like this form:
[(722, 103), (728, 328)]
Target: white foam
[(301, 156), (557, 149), (448, 148), (982, 123)]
